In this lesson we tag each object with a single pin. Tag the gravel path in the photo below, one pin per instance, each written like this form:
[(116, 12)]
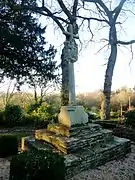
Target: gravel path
[(4, 169), (123, 169)]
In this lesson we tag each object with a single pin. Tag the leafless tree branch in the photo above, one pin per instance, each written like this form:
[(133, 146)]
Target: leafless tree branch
[(100, 2), (75, 8), (92, 18), (43, 3), (132, 54), (46, 12), (102, 48), (100, 12), (66, 11), (129, 11), (126, 42), (118, 9)]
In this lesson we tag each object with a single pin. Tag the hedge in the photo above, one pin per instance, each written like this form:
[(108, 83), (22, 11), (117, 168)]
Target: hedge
[(130, 118), (8, 145), (39, 165)]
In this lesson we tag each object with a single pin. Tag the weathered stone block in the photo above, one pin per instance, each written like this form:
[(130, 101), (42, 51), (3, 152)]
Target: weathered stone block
[(72, 144), (23, 146), (84, 130), (72, 115), (83, 146), (59, 129)]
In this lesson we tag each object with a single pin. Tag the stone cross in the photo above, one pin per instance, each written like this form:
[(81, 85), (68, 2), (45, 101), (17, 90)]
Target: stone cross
[(71, 55)]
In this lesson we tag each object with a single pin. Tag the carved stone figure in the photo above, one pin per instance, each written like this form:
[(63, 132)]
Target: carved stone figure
[(70, 51), (70, 55)]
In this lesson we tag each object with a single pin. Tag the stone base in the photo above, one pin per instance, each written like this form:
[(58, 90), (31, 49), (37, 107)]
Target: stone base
[(83, 146), (68, 140), (87, 157), (72, 115), (91, 158), (70, 145)]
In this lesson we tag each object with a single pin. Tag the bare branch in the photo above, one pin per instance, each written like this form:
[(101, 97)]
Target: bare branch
[(92, 18), (92, 35), (75, 7), (48, 13), (128, 10), (43, 3), (100, 2), (118, 9), (102, 48), (126, 42), (101, 12), (132, 55), (57, 17), (66, 11)]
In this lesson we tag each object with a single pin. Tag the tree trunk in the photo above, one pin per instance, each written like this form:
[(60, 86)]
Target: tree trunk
[(102, 112), (41, 96), (35, 95), (129, 103), (109, 73), (121, 110)]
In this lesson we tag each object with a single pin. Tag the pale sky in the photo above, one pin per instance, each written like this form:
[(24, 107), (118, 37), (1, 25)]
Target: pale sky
[(90, 68)]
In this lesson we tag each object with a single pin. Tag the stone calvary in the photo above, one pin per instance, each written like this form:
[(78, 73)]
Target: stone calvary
[(84, 145)]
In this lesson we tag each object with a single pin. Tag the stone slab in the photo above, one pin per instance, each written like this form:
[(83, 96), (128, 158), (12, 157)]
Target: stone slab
[(87, 158), (72, 115), (86, 129), (72, 144)]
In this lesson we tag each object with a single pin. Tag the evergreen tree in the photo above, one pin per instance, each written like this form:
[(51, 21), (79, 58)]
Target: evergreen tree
[(22, 45)]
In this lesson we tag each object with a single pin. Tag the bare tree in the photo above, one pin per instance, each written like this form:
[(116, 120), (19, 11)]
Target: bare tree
[(63, 13), (67, 16), (10, 91), (40, 88), (122, 96), (110, 18)]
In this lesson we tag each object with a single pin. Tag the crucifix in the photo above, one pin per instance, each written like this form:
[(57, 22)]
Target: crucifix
[(70, 53), (71, 114)]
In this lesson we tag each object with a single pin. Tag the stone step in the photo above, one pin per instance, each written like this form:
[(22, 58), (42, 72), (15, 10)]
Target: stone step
[(68, 145), (30, 143), (87, 157), (74, 131), (90, 158)]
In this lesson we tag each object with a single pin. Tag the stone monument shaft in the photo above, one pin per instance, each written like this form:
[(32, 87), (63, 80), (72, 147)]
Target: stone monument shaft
[(71, 54), (72, 96)]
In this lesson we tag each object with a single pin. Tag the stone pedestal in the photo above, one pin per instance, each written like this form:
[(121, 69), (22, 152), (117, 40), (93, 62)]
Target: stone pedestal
[(84, 145), (72, 115)]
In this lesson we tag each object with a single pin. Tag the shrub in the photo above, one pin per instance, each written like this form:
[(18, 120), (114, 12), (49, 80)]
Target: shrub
[(32, 107), (34, 120), (2, 118), (130, 118), (43, 112), (8, 145), (13, 115), (37, 165), (115, 115), (108, 125), (93, 116)]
